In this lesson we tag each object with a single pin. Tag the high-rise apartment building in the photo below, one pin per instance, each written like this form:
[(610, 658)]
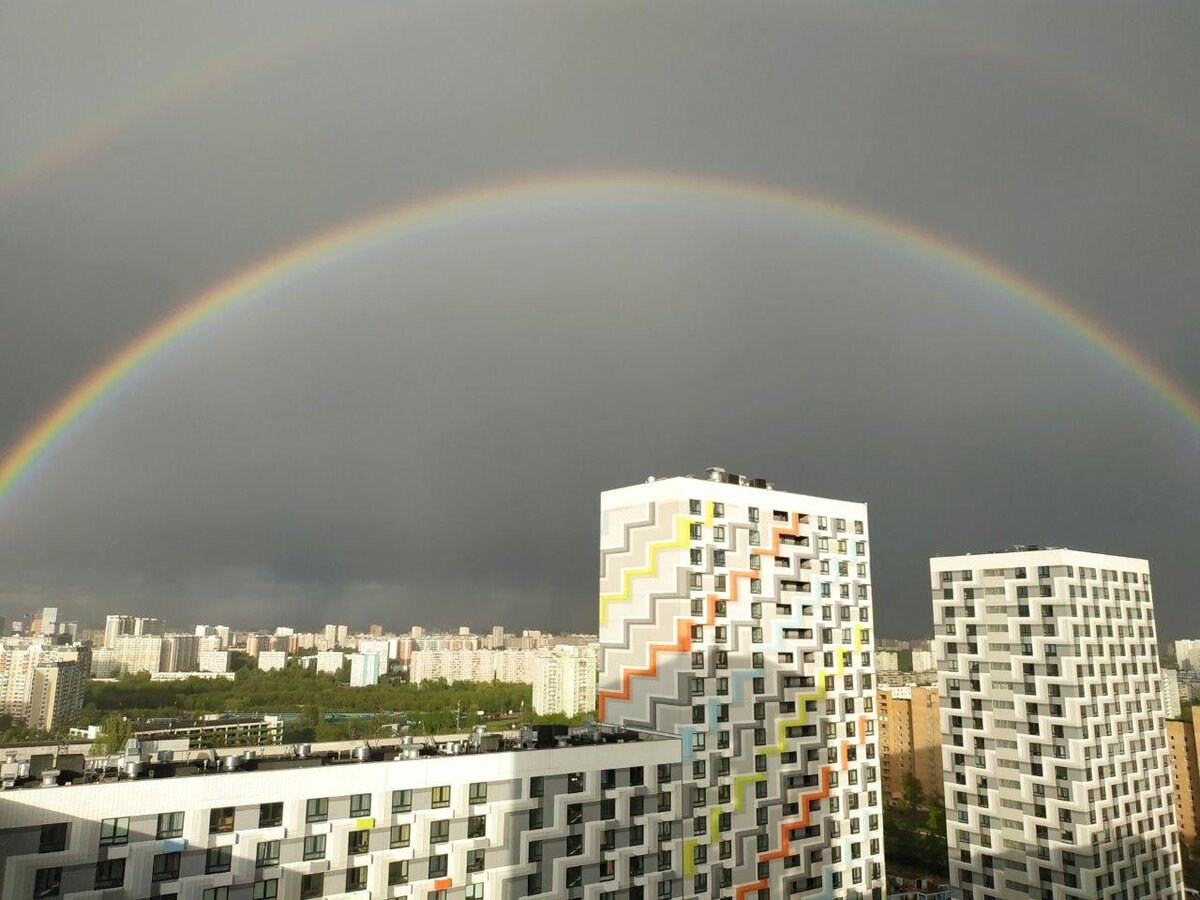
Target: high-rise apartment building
[(1182, 745), (56, 695), (117, 626), (910, 739), (364, 669), (564, 681), (738, 618), (1187, 654), (179, 653), (1056, 772), (1172, 700), (41, 685)]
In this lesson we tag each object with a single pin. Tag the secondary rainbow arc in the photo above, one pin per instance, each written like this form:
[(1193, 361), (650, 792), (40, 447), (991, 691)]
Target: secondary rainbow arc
[(328, 246)]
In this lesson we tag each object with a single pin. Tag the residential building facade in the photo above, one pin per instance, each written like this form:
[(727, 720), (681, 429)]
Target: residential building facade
[(738, 618), (1057, 781), (910, 739), (583, 819)]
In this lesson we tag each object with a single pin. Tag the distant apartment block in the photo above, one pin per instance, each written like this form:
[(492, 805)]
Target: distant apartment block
[(1056, 771), (738, 618), (213, 660), (364, 669), (330, 661), (910, 739), (564, 681), (41, 684), (272, 660), (1172, 701), (467, 664), (1182, 744), (117, 626), (924, 661)]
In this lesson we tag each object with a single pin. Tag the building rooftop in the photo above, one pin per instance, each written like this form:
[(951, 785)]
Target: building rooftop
[(57, 768)]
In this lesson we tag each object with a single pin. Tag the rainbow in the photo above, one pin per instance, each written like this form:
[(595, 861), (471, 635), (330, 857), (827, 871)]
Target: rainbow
[(489, 199)]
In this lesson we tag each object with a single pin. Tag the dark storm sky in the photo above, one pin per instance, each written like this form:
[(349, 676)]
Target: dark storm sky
[(418, 433)]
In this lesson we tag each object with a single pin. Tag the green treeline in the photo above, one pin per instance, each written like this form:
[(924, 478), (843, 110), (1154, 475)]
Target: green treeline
[(433, 707), (914, 833)]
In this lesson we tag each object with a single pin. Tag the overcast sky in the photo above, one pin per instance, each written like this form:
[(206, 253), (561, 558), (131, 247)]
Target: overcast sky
[(418, 433)]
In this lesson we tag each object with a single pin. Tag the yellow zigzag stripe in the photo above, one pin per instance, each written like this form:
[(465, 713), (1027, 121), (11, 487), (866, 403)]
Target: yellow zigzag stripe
[(801, 715), (858, 630), (740, 782), (689, 857), (681, 540), (714, 818)]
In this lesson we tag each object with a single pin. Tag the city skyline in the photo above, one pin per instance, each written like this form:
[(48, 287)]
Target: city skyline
[(939, 260)]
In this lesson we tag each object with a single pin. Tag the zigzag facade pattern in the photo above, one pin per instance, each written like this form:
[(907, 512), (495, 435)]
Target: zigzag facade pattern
[(745, 629)]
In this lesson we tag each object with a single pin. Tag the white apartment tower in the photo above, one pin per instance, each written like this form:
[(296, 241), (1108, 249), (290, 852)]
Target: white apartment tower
[(564, 680), (738, 618), (1056, 773)]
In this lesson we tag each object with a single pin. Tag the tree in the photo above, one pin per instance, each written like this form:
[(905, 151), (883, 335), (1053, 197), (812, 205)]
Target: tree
[(912, 793), (115, 731)]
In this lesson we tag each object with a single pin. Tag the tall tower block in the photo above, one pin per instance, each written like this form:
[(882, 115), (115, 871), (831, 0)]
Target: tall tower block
[(738, 618)]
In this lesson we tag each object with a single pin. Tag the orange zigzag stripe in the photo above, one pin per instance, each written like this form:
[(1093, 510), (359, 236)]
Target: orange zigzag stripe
[(683, 644), (786, 828)]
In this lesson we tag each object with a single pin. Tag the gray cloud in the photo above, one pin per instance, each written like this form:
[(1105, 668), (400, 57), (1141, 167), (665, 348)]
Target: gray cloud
[(418, 433)]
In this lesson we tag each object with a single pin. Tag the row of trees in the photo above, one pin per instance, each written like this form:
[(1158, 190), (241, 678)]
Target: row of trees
[(433, 707)]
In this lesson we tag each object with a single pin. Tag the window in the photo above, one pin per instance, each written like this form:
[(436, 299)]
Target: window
[(47, 882), (166, 867), (401, 801), (270, 815), (222, 893), (218, 859), (478, 792), (110, 873), (400, 836), (220, 821), (358, 842), (575, 782), (53, 837), (266, 854), (356, 878), (170, 825), (441, 796), (477, 826), (475, 860), (535, 851), (439, 831), (474, 892), (437, 866), (360, 805), (314, 846), (574, 845), (536, 786), (312, 886), (398, 872), (115, 832), (317, 810), (267, 889)]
